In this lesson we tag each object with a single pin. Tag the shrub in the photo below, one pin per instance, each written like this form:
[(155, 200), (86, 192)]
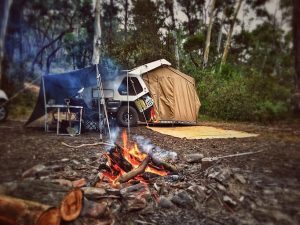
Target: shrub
[(232, 95)]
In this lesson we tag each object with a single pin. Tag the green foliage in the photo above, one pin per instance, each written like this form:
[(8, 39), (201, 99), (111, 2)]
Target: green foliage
[(233, 95)]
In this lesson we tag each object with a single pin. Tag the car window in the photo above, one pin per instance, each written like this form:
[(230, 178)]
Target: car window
[(133, 84)]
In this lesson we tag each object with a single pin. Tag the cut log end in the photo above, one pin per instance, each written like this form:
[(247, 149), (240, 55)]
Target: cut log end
[(71, 205), (49, 217)]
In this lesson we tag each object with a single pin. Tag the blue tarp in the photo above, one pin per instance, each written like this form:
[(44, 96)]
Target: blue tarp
[(66, 85)]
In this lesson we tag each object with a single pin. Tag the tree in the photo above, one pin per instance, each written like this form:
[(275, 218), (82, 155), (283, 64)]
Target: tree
[(4, 14), (208, 34), (97, 34), (296, 39), (193, 10), (230, 32)]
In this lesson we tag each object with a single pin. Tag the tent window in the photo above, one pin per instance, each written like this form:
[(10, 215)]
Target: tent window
[(134, 86)]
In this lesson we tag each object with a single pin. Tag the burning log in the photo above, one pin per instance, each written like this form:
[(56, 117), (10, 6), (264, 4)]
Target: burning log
[(71, 205), (22, 212), (133, 173), (165, 165)]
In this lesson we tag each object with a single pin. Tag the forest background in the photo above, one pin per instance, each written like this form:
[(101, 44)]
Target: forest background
[(240, 52)]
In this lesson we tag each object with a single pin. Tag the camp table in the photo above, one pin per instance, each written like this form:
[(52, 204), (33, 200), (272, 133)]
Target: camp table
[(63, 108)]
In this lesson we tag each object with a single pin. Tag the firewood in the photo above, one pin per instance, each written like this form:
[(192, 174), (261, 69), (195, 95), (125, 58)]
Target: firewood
[(165, 165), (36, 190), (133, 173), (23, 212), (71, 205), (49, 217)]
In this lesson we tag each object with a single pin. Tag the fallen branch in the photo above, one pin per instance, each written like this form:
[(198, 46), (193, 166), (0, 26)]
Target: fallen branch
[(210, 159), (84, 145), (131, 174)]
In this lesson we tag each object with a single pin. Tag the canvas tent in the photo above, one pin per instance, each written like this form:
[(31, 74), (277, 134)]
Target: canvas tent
[(174, 93)]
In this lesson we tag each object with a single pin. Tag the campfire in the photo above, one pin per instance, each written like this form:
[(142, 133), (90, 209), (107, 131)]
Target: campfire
[(126, 163)]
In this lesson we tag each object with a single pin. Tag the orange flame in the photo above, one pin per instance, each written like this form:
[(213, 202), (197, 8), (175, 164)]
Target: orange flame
[(133, 156)]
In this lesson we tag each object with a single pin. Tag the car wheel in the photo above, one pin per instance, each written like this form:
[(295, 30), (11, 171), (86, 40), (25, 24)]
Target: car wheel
[(3, 110), (122, 116)]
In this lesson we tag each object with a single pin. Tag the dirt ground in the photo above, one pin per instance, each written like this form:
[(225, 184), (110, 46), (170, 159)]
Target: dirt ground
[(271, 192)]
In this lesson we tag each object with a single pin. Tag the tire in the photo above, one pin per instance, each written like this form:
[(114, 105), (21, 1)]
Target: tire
[(122, 116), (3, 111)]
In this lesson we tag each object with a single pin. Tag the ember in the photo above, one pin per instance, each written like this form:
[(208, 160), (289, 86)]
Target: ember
[(127, 163)]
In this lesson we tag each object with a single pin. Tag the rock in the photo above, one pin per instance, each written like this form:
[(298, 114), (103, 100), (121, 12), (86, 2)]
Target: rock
[(75, 162), (93, 209), (133, 188), (182, 199), (93, 192), (165, 203), (65, 160), (198, 192), (34, 171), (240, 178), (172, 178), (229, 200), (135, 203), (56, 168), (194, 158), (221, 187), (62, 182), (113, 191), (79, 183)]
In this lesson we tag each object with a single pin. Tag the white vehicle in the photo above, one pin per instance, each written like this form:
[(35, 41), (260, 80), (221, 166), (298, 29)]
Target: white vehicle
[(117, 99), (140, 101), (3, 105)]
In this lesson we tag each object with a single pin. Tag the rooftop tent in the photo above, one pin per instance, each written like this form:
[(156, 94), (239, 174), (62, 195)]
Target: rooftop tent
[(66, 85), (174, 93)]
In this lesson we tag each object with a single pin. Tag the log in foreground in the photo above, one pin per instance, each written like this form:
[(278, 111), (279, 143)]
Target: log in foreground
[(23, 212), (139, 170), (71, 205)]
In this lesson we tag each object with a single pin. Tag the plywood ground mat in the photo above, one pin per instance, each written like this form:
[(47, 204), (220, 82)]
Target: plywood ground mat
[(201, 132)]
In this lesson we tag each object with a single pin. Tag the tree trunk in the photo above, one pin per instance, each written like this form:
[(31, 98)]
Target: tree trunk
[(4, 14), (230, 32), (97, 34), (208, 35), (126, 8), (220, 35), (296, 36)]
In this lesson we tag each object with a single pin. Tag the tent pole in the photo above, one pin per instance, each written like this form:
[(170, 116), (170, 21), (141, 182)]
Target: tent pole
[(45, 104), (128, 117), (99, 102)]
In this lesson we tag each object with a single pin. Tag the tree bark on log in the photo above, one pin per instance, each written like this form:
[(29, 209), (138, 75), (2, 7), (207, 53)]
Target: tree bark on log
[(23, 212), (39, 191), (133, 173)]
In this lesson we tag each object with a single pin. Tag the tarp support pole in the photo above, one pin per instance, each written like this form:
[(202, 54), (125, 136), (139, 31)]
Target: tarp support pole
[(128, 117), (101, 101), (45, 104)]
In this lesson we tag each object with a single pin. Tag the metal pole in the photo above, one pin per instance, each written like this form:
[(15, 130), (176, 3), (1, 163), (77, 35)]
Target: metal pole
[(128, 117), (99, 102), (45, 104)]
